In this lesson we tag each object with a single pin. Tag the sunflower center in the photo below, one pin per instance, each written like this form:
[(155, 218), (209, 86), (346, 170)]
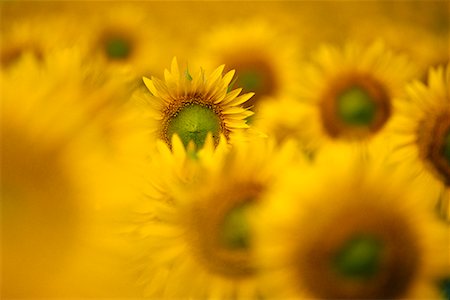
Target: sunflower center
[(221, 228), (434, 144), (446, 147), (251, 80), (366, 256), (117, 48), (235, 229), (359, 258), (445, 287), (356, 107), (193, 122), (254, 74)]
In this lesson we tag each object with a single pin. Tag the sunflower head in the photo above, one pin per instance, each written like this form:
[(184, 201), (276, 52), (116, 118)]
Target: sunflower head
[(355, 104), (351, 91), (436, 149), (362, 259), (220, 214), (421, 134), (433, 121), (202, 226), (253, 49), (221, 230), (354, 241), (192, 106)]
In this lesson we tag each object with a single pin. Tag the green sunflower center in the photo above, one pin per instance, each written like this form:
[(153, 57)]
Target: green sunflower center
[(236, 230), (359, 258), (445, 287), (355, 107), (251, 80), (446, 147), (192, 123), (117, 48)]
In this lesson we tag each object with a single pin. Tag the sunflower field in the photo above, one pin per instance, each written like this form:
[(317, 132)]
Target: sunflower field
[(225, 149)]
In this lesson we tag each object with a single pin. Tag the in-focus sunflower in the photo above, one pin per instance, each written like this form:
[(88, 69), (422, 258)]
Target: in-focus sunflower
[(350, 229), (421, 134), (53, 162), (350, 92), (198, 243), (193, 106), (253, 50)]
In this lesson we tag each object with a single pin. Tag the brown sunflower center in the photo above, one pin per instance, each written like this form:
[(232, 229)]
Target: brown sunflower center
[(434, 144), (355, 105), (193, 122), (223, 234), (362, 258)]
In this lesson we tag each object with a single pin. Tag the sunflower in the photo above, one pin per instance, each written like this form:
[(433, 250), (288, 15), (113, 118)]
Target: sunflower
[(350, 229), (38, 35), (196, 241), (192, 106), (252, 49), (350, 92), (53, 162), (421, 136), (122, 38)]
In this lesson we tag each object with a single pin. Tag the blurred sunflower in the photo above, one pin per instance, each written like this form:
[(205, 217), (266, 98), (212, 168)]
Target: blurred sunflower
[(350, 229), (350, 92), (421, 136), (122, 38), (193, 106), (253, 50), (53, 160), (20, 37), (198, 243)]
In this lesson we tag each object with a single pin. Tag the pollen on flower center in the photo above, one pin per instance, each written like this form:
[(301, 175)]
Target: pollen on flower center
[(359, 258), (193, 122), (355, 105)]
